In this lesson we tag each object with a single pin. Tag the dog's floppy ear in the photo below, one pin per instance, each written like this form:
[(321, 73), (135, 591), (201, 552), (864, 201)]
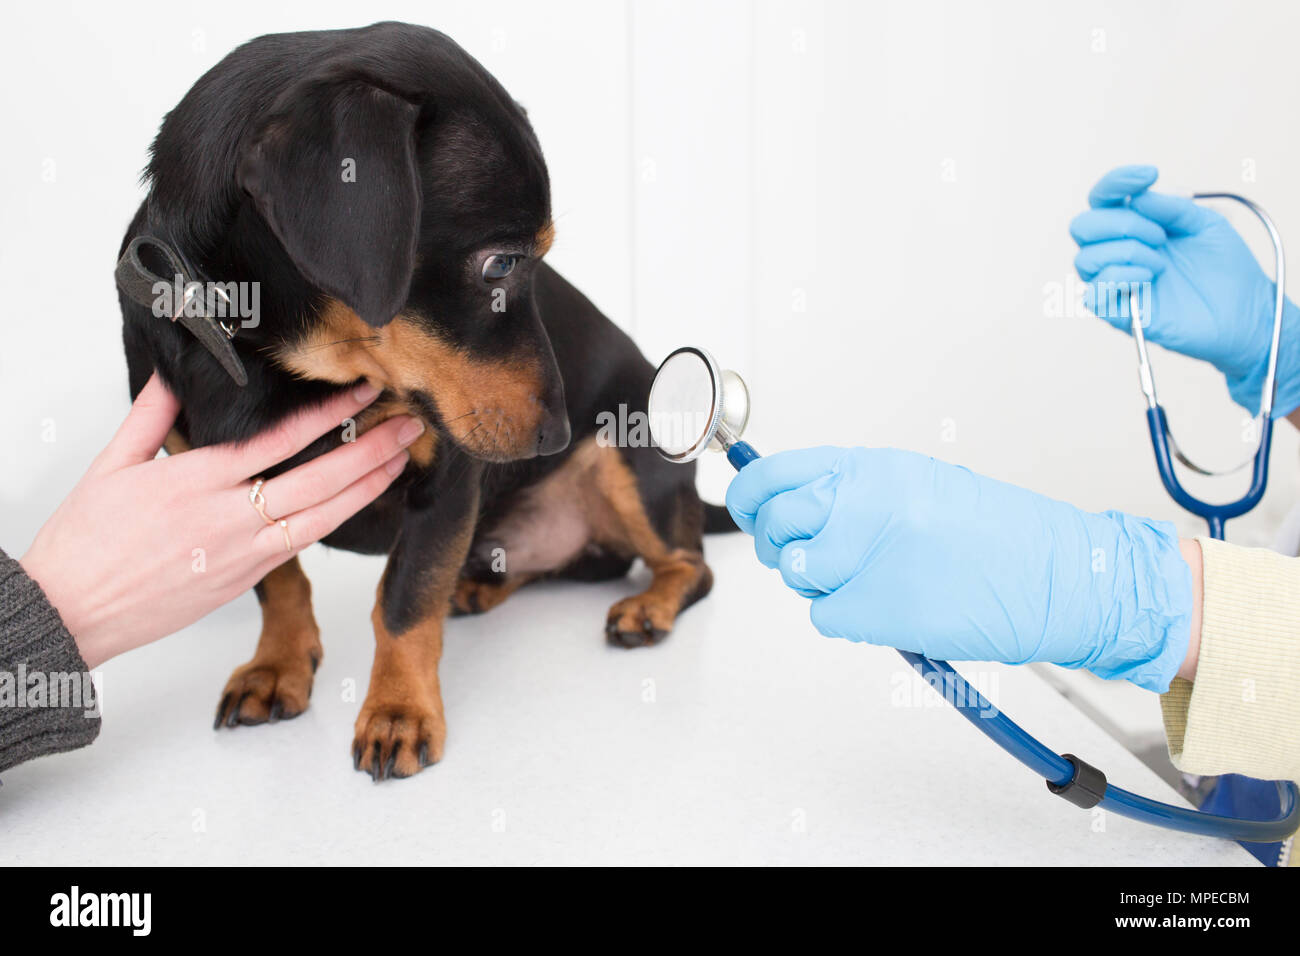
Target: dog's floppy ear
[(332, 170)]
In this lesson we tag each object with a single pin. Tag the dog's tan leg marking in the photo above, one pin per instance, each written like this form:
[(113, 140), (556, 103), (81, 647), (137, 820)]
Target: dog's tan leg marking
[(276, 683), (679, 576), (401, 728)]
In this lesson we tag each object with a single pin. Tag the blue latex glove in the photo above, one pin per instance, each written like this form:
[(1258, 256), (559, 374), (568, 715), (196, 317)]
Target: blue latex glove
[(1211, 299), (899, 549)]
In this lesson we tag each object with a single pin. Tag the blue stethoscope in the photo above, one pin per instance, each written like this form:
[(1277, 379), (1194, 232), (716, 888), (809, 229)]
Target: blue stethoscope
[(694, 405), (1233, 792), (1162, 441)]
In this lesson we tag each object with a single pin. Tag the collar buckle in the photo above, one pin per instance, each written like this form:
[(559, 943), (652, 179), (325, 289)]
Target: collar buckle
[(140, 283)]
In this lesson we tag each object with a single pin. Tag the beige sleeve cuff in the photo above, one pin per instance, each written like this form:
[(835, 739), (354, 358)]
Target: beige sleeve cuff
[(1242, 713)]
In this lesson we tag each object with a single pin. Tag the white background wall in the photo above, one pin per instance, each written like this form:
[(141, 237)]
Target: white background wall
[(861, 206)]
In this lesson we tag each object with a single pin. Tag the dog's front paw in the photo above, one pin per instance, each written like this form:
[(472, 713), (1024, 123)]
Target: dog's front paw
[(398, 739), (476, 597), (639, 621), (268, 690)]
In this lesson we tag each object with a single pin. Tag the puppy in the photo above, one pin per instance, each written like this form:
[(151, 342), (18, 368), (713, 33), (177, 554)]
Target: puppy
[(389, 202)]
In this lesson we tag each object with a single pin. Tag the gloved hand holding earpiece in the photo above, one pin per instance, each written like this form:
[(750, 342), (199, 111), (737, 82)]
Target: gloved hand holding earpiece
[(1209, 297), (899, 549)]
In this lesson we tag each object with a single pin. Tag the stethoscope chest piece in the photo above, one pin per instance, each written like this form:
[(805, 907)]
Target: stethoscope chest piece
[(694, 405)]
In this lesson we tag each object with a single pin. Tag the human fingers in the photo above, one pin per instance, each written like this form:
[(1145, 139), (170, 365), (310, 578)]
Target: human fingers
[(324, 477), (1120, 184), (308, 526), (143, 431), (792, 515), (238, 462), (1092, 258), (798, 574), (1120, 222), (764, 477), (1178, 215), (1106, 296)]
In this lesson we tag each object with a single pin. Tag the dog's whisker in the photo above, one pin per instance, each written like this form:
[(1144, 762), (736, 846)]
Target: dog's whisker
[(366, 340), (469, 462)]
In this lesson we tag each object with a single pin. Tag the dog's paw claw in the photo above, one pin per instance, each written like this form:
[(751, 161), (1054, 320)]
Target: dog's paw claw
[(634, 622), (261, 693), (221, 712), (392, 743)]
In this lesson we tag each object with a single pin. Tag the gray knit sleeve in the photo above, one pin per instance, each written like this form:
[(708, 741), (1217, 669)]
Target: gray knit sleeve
[(47, 702)]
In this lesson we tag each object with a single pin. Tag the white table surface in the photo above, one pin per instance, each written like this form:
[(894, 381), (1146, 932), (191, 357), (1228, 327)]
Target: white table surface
[(745, 738)]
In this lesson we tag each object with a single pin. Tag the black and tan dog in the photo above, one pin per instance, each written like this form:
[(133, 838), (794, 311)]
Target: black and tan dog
[(421, 272)]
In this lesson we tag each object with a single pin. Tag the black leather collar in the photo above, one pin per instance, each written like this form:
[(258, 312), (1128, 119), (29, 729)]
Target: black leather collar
[(140, 283)]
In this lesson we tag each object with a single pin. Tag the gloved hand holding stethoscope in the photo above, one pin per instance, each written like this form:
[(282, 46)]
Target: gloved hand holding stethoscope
[(899, 549), (1211, 299)]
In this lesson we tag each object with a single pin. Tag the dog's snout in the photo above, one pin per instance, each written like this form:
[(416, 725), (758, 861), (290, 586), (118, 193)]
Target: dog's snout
[(554, 432)]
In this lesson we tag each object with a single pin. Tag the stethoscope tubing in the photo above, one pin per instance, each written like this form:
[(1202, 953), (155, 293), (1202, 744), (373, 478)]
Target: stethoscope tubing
[(1214, 515), (1162, 441), (1058, 771)]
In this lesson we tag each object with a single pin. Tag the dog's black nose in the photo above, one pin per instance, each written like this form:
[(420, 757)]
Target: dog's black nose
[(554, 434)]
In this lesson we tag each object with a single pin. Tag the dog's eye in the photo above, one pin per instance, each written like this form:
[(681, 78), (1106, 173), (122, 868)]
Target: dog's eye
[(499, 266)]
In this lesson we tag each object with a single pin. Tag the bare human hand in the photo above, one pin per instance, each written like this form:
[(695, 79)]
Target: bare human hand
[(144, 546)]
